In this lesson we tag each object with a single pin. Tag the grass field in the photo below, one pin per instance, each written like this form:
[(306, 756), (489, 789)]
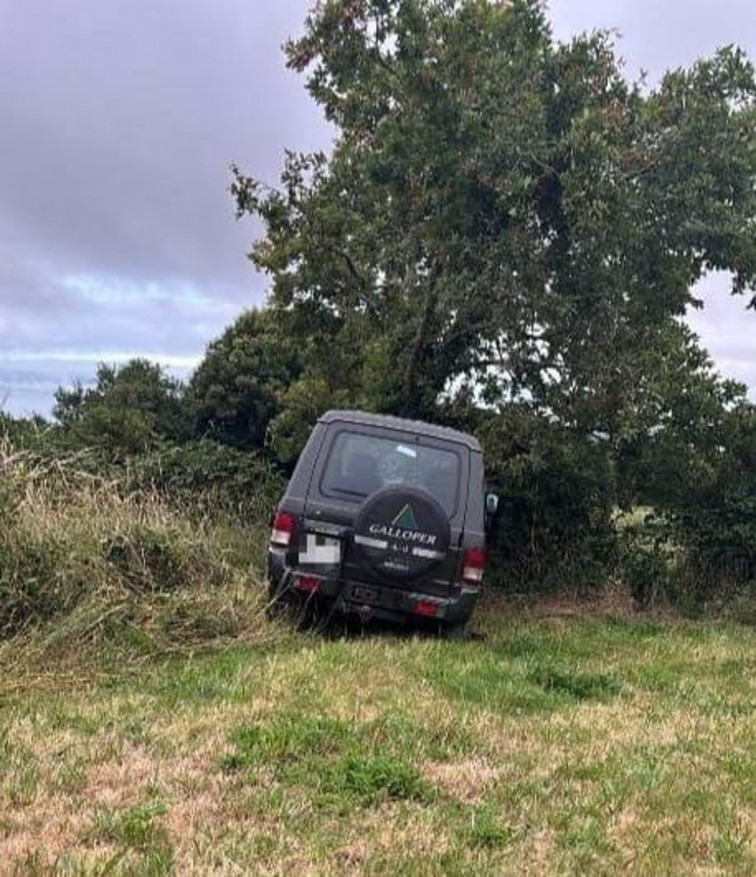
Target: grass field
[(552, 744)]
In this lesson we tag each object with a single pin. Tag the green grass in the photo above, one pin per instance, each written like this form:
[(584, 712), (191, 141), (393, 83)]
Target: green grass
[(553, 745)]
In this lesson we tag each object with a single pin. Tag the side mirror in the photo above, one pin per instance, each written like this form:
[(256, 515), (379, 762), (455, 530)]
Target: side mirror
[(492, 504)]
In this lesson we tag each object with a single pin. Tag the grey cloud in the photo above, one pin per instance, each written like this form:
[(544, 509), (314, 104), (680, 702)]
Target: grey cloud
[(655, 35), (119, 120), (173, 325), (727, 330)]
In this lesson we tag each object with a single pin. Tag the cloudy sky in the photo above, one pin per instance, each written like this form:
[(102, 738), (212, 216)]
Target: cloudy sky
[(118, 121)]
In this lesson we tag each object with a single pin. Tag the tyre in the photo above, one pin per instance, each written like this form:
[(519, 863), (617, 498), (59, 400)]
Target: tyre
[(401, 533)]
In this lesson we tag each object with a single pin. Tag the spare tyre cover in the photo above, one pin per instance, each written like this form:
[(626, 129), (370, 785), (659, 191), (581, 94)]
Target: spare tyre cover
[(401, 532)]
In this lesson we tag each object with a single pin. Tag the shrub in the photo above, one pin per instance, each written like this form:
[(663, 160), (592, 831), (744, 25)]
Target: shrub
[(211, 476), (236, 390), (128, 410), (87, 557), (646, 560), (554, 530), (705, 496)]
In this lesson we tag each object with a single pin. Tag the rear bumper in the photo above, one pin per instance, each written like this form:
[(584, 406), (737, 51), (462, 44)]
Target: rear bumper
[(372, 601)]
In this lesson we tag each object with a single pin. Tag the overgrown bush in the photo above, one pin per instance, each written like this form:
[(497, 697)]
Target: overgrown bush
[(662, 564), (554, 531), (646, 560), (129, 409), (211, 476), (91, 556), (705, 513)]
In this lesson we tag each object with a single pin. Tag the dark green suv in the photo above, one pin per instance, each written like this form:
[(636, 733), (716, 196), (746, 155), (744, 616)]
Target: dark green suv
[(384, 518)]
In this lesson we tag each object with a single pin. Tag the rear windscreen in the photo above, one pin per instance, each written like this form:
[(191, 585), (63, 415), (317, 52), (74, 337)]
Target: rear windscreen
[(358, 465)]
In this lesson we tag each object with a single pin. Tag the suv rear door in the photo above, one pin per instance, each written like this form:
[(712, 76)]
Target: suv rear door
[(328, 510)]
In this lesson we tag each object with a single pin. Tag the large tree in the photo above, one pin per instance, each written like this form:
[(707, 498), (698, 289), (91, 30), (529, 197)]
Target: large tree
[(128, 409), (501, 213), (236, 390)]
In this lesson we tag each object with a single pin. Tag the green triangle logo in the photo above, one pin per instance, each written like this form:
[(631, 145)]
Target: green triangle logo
[(406, 518)]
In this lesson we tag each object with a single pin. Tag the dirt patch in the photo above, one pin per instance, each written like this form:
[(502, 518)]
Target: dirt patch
[(466, 780), (50, 827)]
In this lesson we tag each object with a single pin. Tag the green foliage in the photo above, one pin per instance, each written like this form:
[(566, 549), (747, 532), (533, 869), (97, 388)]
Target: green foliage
[(210, 477), (303, 403), (238, 387), (672, 445), (705, 501), (127, 411), (154, 554), (553, 530), (500, 209), (717, 508), (347, 764), (150, 559), (646, 568), (36, 582), (25, 431)]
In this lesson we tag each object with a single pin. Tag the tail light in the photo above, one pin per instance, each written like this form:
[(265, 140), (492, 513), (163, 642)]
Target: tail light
[(474, 565), (427, 608), (284, 528), (308, 583)]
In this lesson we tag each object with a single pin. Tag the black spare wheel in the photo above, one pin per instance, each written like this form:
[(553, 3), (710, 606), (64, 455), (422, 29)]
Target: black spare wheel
[(401, 532)]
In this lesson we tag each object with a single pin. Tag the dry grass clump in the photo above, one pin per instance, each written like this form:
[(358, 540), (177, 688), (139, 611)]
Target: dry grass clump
[(83, 560)]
